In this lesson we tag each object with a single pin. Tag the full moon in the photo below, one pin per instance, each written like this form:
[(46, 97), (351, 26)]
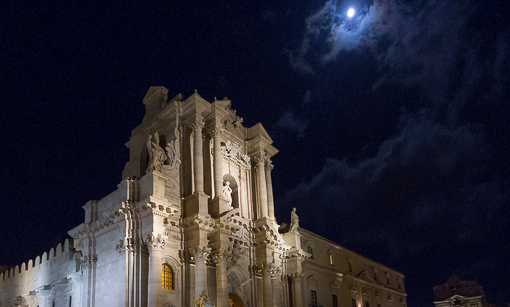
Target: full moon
[(350, 12)]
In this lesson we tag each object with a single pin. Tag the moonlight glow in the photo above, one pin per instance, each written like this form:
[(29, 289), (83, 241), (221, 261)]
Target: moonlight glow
[(350, 12)]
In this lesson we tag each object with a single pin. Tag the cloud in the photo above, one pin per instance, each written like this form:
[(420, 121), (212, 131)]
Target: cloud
[(291, 122), (401, 198)]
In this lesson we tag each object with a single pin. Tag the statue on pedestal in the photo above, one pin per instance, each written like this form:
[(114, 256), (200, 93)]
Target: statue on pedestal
[(227, 194), (157, 155), (294, 220)]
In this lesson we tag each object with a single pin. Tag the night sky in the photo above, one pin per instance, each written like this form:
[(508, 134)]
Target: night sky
[(392, 126)]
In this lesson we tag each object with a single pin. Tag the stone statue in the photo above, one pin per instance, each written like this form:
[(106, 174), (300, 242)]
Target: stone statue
[(294, 220), (203, 300), (227, 194), (174, 159), (157, 155)]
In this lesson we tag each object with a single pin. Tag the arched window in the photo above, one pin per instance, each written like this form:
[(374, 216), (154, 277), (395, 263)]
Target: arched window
[(310, 251), (167, 277), (331, 262), (350, 266)]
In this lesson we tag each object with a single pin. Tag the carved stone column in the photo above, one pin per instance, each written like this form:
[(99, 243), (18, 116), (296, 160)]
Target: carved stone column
[(262, 184), (155, 244), (269, 186), (198, 161), (298, 295), (221, 280), (267, 286), (200, 255), (217, 160)]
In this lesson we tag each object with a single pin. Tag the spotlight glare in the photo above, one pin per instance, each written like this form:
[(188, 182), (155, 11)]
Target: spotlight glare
[(350, 12)]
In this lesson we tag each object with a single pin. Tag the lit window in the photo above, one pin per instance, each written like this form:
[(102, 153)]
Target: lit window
[(230, 302), (167, 277), (330, 259)]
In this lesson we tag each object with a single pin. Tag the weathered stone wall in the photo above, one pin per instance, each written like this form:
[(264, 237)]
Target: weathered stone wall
[(55, 276)]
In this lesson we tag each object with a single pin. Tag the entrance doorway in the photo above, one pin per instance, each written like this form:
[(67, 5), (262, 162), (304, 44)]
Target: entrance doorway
[(234, 300)]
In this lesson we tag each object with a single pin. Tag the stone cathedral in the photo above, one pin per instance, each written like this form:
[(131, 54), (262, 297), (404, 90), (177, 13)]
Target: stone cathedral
[(192, 224)]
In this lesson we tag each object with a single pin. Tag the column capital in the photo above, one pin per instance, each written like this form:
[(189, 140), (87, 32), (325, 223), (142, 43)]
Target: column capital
[(217, 130), (155, 242), (198, 124), (269, 165)]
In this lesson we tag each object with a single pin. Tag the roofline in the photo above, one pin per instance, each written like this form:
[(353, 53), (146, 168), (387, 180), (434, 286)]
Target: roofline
[(344, 248)]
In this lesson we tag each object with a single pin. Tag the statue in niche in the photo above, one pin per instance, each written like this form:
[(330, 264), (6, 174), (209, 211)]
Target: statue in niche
[(203, 300), (227, 194), (157, 155), (294, 220), (174, 159)]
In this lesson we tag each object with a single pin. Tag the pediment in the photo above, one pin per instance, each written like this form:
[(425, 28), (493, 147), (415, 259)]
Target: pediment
[(366, 276)]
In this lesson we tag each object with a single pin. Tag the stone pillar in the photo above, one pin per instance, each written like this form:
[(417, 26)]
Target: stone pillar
[(198, 161), (200, 271), (269, 186), (155, 244), (262, 185), (267, 287), (217, 160), (221, 280), (298, 295)]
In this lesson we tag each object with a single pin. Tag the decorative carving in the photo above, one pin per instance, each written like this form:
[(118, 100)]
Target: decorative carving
[(198, 124), (120, 247), (269, 165), (174, 158), (154, 242), (294, 220), (233, 280), (235, 251), (234, 152), (157, 155), (86, 261), (203, 300)]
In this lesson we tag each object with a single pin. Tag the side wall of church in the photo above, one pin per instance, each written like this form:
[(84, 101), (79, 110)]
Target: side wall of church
[(335, 270), (53, 277)]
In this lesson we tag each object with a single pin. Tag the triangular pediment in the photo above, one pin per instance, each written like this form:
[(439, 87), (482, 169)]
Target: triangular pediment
[(366, 276)]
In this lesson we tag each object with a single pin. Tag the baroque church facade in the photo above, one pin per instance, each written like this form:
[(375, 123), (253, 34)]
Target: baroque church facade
[(192, 224)]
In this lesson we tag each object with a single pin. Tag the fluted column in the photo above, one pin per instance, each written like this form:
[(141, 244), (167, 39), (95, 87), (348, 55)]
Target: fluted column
[(221, 280), (262, 185), (200, 270), (198, 161), (267, 287), (269, 187), (155, 244), (217, 160)]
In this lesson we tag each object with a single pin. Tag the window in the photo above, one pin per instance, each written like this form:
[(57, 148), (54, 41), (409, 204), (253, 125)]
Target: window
[(335, 301), (375, 276), (310, 251), (167, 277), (354, 302), (378, 305), (313, 294), (350, 266), (70, 301), (367, 304), (330, 259), (388, 279)]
